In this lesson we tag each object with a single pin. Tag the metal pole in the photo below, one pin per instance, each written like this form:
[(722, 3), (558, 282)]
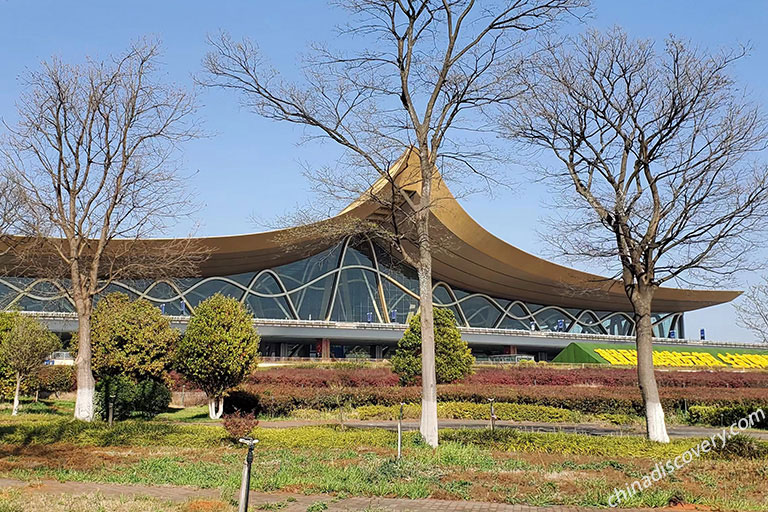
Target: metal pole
[(493, 416), (183, 392), (245, 483), (400, 432)]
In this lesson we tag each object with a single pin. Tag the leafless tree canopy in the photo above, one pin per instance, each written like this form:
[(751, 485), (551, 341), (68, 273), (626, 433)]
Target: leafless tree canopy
[(419, 73), (93, 157), (752, 310), (11, 209), (659, 146)]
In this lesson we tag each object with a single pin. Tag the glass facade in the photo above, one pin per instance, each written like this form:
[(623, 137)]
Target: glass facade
[(354, 281)]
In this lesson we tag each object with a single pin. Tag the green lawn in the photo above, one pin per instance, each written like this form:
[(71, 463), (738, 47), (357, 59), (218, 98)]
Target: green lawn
[(502, 466)]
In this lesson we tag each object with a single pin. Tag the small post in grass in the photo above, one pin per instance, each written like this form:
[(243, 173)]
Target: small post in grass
[(245, 484), (183, 392), (400, 432), (111, 409), (493, 416)]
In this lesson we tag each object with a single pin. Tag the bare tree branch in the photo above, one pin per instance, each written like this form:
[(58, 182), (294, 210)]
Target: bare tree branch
[(752, 310)]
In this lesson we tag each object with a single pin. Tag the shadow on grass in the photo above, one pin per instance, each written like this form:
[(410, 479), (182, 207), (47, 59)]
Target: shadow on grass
[(56, 408)]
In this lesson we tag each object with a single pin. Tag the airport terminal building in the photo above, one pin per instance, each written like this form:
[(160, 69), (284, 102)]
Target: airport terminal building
[(352, 295)]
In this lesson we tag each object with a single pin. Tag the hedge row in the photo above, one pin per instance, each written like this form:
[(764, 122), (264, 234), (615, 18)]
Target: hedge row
[(282, 400), (537, 376), (723, 416), (325, 377), (472, 411), (351, 376)]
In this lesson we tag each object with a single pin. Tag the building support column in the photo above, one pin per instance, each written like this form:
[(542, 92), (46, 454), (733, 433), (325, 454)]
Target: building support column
[(379, 352), (283, 350), (325, 349)]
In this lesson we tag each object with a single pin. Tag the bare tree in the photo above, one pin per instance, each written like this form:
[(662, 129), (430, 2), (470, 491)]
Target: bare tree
[(752, 310), (419, 70), (93, 152), (656, 146)]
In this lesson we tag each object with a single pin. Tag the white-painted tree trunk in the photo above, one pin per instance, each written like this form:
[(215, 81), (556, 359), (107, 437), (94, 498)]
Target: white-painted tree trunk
[(86, 385), (656, 427), (215, 407), (428, 424), (16, 395), (655, 422)]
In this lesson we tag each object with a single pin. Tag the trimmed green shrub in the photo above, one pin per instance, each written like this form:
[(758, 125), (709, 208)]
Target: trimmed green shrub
[(740, 446), (147, 398), (23, 348), (453, 358), (723, 416), (472, 411), (7, 375), (219, 348), (56, 379), (131, 338)]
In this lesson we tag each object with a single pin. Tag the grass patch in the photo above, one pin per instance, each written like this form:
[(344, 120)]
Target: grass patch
[(42, 410), (569, 444), (124, 433), (149, 433), (194, 414)]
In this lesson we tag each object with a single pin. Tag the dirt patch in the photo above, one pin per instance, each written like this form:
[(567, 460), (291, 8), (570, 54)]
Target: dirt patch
[(84, 458), (681, 507), (205, 506), (59, 456)]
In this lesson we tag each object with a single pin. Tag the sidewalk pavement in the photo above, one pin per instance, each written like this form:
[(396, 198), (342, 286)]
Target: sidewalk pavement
[(286, 502)]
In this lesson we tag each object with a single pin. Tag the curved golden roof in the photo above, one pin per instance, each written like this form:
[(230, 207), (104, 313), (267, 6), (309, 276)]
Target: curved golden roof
[(472, 258)]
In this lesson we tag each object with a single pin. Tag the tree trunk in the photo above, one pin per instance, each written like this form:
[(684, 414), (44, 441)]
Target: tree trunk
[(428, 425), (221, 407), (86, 385), (16, 395), (656, 428), (215, 407)]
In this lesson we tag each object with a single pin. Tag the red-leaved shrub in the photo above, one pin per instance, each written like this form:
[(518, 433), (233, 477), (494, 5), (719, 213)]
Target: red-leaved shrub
[(282, 400), (239, 424), (521, 376), (324, 377), (506, 376)]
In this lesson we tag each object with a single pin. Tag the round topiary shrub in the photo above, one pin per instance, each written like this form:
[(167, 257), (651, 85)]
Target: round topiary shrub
[(453, 358), (56, 379), (219, 348)]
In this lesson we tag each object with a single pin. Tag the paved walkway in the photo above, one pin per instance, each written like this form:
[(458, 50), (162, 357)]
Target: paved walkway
[(595, 429), (285, 502)]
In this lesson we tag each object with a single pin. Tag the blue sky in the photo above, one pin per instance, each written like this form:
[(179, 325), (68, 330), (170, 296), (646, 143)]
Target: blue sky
[(250, 167)]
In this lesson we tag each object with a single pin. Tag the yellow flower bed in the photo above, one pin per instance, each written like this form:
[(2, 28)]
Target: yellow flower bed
[(628, 357)]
